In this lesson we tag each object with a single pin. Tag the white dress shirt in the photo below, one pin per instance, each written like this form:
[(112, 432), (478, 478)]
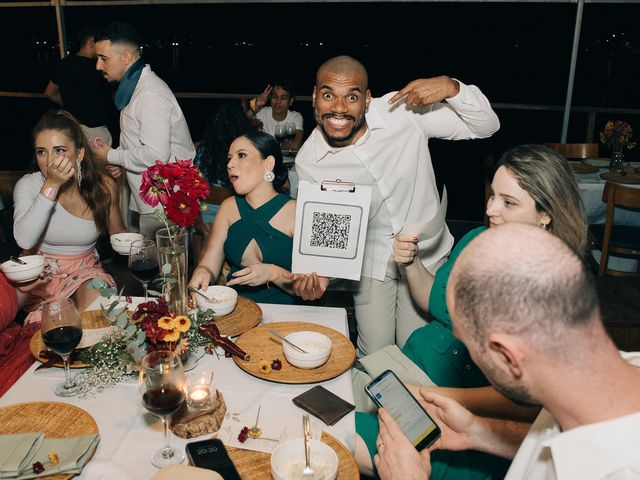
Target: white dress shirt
[(605, 450), (394, 152), (152, 127)]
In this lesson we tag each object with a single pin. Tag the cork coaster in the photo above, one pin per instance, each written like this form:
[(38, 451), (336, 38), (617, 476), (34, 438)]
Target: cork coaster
[(186, 423)]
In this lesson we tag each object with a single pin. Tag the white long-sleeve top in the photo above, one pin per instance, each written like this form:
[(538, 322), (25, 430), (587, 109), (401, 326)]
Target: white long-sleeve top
[(152, 127), (394, 153), (39, 222)]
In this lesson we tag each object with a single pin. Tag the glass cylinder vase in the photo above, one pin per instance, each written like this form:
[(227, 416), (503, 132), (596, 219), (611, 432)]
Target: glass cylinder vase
[(173, 258), (617, 159)]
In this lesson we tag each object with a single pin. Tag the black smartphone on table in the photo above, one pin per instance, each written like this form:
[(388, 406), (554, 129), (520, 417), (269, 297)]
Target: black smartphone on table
[(212, 455), (389, 392)]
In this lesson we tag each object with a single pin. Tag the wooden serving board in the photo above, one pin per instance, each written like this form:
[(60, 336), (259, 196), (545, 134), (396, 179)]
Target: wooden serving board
[(630, 177), (261, 345), (245, 316)]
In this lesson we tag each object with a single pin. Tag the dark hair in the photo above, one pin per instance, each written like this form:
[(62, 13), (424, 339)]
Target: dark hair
[(95, 191), (285, 84), (86, 32), (223, 126), (119, 32), (268, 145), (547, 177)]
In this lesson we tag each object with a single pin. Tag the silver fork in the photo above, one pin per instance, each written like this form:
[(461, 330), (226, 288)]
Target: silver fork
[(308, 472)]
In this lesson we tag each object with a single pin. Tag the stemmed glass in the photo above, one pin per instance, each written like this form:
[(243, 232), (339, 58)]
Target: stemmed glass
[(162, 387), (143, 262), (280, 133), (290, 129), (62, 332)]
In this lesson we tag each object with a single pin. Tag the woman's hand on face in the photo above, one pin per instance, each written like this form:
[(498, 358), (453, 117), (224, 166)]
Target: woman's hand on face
[(199, 280), (254, 275), (60, 170), (405, 248)]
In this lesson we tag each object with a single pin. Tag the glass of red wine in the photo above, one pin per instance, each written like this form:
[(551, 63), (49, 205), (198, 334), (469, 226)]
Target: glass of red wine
[(162, 385), (143, 262), (62, 332), (290, 129), (280, 133)]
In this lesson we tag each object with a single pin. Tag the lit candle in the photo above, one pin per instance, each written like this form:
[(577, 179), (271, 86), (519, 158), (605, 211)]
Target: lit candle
[(200, 395)]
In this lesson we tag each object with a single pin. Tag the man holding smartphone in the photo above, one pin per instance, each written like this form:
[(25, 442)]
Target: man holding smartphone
[(526, 308)]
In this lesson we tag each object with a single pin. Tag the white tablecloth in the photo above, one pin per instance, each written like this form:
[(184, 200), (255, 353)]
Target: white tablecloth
[(591, 186), (129, 435)]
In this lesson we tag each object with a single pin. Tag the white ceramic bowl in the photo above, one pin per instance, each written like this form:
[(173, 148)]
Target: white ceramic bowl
[(317, 344), (24, 273), (224, 300), (121, 242), (287, 460)]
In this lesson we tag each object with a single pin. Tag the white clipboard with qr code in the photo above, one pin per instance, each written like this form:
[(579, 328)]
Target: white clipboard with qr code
[(331, 228)]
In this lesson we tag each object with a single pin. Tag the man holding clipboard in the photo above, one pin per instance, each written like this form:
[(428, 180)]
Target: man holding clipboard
[(383, 142)]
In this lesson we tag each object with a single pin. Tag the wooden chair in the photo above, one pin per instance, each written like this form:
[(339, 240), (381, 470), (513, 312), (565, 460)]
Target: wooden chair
[(202, 230), (617, 239), (575, 151)]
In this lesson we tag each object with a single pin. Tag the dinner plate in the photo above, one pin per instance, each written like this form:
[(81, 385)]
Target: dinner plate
[(257, 465), (91, 319), (54, 419), (262, 345)]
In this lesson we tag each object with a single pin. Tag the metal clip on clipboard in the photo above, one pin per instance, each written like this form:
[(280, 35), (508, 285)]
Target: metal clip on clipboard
[(337, 185)]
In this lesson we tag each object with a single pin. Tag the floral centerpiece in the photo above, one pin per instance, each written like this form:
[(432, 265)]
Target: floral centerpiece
[(180, 189), (617, 135)]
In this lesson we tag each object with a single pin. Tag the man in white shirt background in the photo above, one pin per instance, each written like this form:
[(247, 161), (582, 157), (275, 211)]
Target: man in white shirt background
[(152, 125), (383, 142), (526, 307)]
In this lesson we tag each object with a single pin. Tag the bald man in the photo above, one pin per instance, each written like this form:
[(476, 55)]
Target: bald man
[(383, 142), (526, 308)]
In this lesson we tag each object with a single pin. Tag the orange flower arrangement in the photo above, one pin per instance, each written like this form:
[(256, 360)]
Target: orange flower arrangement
[(617, 134)]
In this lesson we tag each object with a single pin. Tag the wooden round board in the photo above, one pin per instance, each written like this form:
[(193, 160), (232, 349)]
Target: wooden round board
[(261, 345), (581, 167), (90, 319), (245, 316), (55, 420), (629, 177), (257, 465)]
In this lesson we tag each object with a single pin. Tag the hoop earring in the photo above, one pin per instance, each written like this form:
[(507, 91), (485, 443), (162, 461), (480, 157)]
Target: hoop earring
[(269, 176), (79, 174)]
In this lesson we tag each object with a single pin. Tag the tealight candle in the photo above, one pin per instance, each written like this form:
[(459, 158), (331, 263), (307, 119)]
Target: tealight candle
[(200, 392)]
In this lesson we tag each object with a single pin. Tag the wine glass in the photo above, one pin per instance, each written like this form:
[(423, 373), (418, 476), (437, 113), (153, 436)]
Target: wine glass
[(280, 133), (143, 262), (61, 332), (162, 386), (290, 129)]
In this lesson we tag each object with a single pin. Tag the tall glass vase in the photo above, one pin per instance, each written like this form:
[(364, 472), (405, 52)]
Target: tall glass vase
[(173, 257), (616, 163)]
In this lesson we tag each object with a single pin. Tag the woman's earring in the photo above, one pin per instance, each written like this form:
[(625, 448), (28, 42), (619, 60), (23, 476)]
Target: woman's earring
[(79, 174), (269, 176)]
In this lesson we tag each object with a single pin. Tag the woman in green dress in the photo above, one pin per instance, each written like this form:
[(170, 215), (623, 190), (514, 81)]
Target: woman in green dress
[(253, 230), (534, 185)]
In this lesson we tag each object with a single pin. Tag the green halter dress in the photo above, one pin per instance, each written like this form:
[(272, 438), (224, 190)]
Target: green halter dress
[(276, 247)]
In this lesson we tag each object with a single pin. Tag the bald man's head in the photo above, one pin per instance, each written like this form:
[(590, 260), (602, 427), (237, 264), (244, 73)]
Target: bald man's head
[(521, 280), (344, 65)]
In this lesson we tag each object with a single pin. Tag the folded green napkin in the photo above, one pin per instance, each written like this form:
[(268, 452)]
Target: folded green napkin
[(16, 451), (387, 358), (72, 454)]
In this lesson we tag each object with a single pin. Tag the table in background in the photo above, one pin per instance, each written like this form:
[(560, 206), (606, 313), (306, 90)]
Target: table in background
[(591, 186), (129, 435)]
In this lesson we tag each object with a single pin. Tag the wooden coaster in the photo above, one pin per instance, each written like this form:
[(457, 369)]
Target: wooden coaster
[(245, 316), (257, 465), (629, 176), (55, 420), (261, 345), (581, 167), (90, 319), (188, 424)]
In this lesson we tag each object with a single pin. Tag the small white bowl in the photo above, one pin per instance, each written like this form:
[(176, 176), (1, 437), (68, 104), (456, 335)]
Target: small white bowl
[(24, 273), (317, 344), (287, 460), (224, 300), (121, 242)]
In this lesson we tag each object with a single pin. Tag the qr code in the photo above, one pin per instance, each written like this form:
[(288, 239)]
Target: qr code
[(330, 230)]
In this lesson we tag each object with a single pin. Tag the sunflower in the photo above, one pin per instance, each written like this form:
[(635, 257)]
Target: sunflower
[(172, 336), (167, 323), (182, 323)]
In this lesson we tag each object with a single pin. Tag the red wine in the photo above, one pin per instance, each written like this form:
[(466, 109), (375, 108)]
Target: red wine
[(62, 340), (145, 270), (163, 400)]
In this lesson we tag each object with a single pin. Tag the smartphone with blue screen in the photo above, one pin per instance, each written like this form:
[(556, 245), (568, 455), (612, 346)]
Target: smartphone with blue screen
[(389, 392)]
